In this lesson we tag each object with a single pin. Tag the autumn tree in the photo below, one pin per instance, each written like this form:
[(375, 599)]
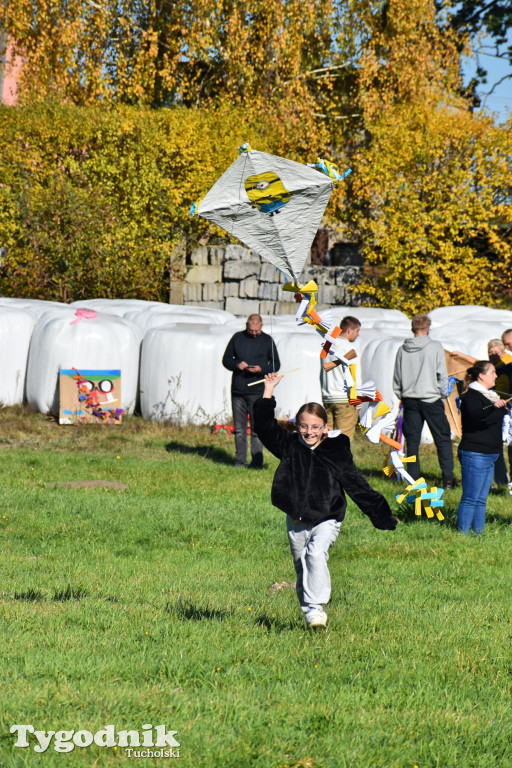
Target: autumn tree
[(492, 17), (289, 60), (431, 191), (94, 200), (374, 83)]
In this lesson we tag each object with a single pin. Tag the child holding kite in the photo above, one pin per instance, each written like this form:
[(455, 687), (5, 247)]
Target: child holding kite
[(316, 469)]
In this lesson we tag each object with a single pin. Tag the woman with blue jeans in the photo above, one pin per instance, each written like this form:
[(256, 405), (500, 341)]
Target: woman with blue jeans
[(482, 413)]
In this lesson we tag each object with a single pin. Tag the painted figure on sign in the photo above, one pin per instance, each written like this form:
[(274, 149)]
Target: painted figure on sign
[(266, 192)]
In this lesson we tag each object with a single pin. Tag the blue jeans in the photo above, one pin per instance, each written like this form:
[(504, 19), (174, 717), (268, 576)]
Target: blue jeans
[(477, 470)]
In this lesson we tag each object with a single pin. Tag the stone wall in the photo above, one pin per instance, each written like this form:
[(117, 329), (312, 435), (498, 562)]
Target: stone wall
[(232, 277)]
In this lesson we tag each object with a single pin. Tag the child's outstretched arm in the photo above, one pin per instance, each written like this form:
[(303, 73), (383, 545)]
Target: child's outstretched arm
[(369, 501), (273, 437)]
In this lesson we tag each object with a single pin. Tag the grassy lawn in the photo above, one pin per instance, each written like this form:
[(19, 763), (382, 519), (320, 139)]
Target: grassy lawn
[(162, 595)]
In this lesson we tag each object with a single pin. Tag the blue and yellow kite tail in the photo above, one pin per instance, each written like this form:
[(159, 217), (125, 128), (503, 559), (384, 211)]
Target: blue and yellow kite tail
[(331, 169)]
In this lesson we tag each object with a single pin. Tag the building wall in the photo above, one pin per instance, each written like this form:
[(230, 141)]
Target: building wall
[(233, 278), (10, 67)]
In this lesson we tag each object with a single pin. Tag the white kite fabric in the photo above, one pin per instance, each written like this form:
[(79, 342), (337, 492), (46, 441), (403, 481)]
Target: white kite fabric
[(271, 204)]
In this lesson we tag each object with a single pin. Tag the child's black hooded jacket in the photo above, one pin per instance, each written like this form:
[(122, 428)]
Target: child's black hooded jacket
[(309, 485)]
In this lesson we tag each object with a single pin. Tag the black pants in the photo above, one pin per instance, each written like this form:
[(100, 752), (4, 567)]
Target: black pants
[(416, 412), (500, 469), (242, 405)]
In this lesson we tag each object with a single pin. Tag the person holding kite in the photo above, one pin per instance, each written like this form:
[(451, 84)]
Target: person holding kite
[(336, 383), (316, 469)]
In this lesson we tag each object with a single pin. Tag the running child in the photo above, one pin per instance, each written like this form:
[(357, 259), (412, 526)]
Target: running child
[(315, 470)]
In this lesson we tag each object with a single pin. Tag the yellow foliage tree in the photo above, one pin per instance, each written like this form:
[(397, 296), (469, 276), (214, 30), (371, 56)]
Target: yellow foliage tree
[(431, 191), (370, 83), (94, 200), (286, 62)]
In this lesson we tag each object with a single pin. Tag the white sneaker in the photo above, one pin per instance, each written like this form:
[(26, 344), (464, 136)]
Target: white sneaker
[(316, 618)]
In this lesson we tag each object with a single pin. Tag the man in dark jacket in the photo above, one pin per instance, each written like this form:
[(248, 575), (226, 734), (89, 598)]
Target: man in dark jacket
[(250, 354)]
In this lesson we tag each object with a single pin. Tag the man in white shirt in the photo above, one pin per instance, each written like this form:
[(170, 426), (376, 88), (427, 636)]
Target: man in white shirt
[(335, 388)]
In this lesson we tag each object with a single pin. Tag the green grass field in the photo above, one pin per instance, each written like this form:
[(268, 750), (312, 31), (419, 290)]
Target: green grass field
[(169, 601)]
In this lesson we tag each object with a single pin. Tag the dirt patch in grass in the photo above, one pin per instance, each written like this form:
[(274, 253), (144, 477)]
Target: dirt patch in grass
[(277, 586), (75, 484)]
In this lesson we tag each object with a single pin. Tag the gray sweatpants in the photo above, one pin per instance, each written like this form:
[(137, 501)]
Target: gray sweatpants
[(309, 545)]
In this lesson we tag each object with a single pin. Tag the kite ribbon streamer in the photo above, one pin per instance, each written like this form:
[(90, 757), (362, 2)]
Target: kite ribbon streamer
[(421, 497), (330, 169), (394, 465)]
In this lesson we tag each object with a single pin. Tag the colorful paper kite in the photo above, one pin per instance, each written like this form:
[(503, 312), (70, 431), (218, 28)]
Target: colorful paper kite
[(275, 206), (271, 204)]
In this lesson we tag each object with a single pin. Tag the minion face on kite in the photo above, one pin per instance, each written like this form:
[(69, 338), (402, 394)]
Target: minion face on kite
[(266, 192)]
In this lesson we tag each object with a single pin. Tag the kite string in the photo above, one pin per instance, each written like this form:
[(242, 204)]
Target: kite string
[(272, 342), (246, 154)]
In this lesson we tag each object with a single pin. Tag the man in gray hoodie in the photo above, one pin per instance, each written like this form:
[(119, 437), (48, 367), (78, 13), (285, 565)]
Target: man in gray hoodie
[(420, 381)]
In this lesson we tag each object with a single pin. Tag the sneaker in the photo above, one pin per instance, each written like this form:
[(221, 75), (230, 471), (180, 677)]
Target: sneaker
[(316, 618), (449, 485)]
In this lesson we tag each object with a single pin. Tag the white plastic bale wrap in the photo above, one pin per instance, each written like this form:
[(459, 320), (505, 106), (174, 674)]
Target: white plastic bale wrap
[(117, 307), (210, 315), (105, 342), (367, 335), (124, 307), (400, 329), (472, 314), (298, 348), (16, 326), (378, 363), (36, 306), (182, 377), (368, 316), (156, 318)]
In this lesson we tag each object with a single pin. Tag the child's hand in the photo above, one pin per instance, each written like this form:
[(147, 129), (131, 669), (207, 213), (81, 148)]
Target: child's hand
[(271, 381)]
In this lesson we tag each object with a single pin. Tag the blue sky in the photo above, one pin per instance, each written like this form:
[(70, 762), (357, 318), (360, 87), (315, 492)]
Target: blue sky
[(501, 98)]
